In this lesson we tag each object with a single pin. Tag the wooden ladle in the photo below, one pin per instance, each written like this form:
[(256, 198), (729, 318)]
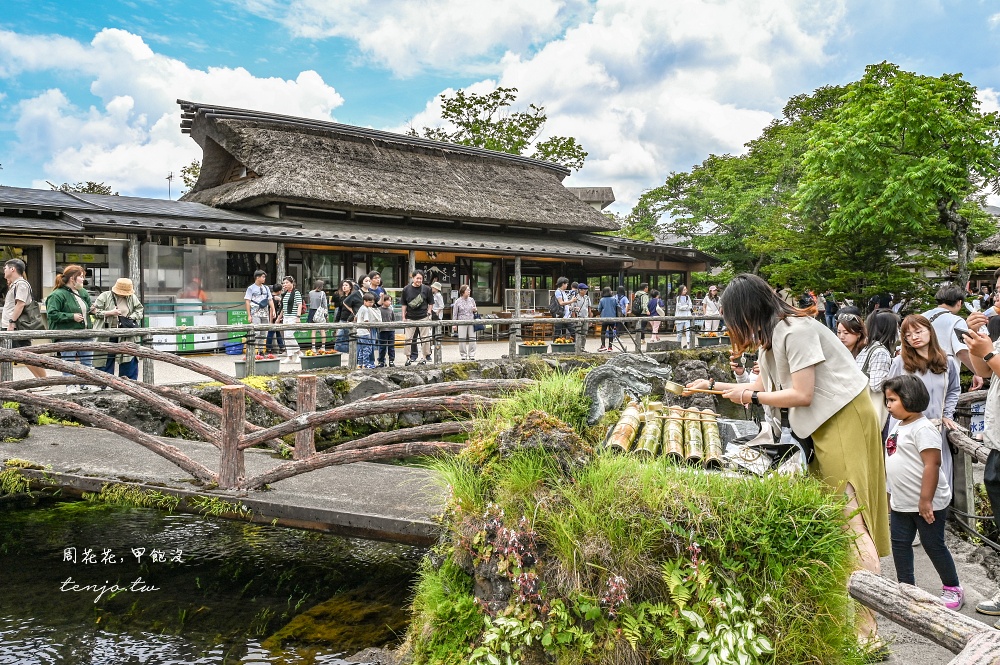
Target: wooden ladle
[(678, 389)]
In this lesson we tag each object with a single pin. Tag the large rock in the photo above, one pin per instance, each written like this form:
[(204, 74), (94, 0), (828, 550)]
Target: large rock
[(13, 426), (363, 384)]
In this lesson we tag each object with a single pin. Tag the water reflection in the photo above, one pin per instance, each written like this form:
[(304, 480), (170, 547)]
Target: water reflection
[(216, 591)]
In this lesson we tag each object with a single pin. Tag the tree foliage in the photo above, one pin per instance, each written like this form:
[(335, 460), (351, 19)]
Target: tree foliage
[(189, 174), (792, 207), (487, 121), (88, 187), (902, 154)]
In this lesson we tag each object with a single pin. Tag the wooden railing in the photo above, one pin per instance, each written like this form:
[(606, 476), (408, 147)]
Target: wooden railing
[(235, 434)]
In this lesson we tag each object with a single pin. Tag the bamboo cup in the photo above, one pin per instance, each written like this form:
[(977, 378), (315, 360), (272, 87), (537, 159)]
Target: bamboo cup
[(694, 443), (673, 434), (712, 438), (622, 437)]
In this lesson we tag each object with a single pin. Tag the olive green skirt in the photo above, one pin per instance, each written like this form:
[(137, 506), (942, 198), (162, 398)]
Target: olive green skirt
[(849, 450)]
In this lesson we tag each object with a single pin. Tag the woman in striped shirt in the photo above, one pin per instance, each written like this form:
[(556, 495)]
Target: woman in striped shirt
[(291, 307)]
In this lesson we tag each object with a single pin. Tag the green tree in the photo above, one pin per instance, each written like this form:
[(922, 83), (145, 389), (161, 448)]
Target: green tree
[(902, 154), (88, 187), (487, 121), (189, 175)]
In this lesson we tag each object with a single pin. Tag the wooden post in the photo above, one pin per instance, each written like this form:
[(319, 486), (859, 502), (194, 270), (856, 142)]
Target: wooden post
[(231, 466), (6, 368), (305, 439), (135, 262), (964, 485), (250, 354), (411, 263), (148, 376), (352, 350), (692, 336), (280, 263), (515, 330)]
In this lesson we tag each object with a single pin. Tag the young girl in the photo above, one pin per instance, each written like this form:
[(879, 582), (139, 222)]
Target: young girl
[(656, 308), (920, 492), (366, 339), (683, 307), (922, 356)]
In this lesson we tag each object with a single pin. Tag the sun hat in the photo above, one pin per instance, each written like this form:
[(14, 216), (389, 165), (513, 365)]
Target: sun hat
[(123, 287), (582, 285), (436, 285)]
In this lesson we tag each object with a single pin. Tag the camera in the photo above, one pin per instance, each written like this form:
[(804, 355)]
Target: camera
[(747, 360)]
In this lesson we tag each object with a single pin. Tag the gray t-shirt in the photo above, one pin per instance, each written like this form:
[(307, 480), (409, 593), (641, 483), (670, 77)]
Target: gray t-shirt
[(945, 323), (20, 290), (317, 299), (904, 469)]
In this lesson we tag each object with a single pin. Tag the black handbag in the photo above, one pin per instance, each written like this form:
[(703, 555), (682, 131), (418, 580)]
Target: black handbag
[(478, 327), (31, 315), (127, 322)]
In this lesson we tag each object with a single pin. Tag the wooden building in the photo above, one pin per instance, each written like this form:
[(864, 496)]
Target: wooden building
[(321, 200)]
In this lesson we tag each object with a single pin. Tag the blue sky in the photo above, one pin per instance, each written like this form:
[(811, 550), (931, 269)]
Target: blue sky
[(87, 89)]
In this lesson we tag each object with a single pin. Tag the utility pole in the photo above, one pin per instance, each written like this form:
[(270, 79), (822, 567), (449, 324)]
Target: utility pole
[(170, 179)]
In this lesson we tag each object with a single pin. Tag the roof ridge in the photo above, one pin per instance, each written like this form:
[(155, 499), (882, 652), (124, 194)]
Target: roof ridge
[(189, 110)]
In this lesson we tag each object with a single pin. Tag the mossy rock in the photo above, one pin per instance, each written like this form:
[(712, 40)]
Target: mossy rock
[(363, 617), (543, 432)]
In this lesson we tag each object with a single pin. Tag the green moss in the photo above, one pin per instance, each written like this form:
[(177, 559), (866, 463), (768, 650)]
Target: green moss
[(11, 405), (459, 371), (120, 494), (46, 419), (368, 616), (339, 388), (175, 430), (23, 464)]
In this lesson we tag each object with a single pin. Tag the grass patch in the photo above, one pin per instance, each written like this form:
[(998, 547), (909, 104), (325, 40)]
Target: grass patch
[(13, 482), (215, 507), (119, 494), (620, 560)]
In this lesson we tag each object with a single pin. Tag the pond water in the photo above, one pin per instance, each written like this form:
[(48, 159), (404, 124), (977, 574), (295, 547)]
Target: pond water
[(84, 582)]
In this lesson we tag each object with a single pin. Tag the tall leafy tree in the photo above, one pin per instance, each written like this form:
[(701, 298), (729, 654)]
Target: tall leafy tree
[(189, 175), (902, 154), (487, 121)]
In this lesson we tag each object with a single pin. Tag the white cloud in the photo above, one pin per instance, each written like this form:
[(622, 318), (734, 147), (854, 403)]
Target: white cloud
[(408, 37), (989, 100), (132, 139), (994, 20), (649, 87)]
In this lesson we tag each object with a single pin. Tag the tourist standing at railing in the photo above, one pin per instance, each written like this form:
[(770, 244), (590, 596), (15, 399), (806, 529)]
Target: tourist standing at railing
[(377, 288), (656, 308), (438, 312), (118, 308), (259, 306), (319, 312), (68, 308), (417, 305), (275, 338), (607, 308), (564, 298), (683, 307), (386, 336), (291, 309), (464, 309), (18, 297), (712, 306), (350, 302)]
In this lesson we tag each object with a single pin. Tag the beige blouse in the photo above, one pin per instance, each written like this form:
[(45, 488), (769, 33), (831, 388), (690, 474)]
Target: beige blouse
[(800, 342)]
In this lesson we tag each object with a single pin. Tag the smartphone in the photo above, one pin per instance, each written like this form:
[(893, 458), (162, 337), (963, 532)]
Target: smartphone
[(960, 334)]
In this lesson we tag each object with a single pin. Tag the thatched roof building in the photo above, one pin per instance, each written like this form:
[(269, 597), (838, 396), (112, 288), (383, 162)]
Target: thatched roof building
[(253, 159)]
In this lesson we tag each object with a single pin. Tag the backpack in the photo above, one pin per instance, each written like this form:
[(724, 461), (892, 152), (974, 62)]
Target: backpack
[(622, 305), (555, 309), (639, 304)]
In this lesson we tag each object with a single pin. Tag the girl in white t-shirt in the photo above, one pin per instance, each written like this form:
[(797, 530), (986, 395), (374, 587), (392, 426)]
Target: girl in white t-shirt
[(920, 492)]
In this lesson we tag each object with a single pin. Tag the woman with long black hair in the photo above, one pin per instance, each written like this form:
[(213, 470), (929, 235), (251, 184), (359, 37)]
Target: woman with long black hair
[(808, 371)]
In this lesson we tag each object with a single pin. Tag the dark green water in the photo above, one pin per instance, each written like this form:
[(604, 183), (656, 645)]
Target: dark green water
[(223, 589)]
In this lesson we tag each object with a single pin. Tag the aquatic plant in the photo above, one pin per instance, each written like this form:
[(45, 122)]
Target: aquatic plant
[(215, 507), (624, 560), (122, 494), (12, 481)]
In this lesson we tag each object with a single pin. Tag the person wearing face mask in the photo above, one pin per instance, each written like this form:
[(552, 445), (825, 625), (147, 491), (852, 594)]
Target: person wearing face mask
[(68, 308)]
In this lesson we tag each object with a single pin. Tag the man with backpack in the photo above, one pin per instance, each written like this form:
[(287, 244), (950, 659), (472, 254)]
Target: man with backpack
[(640, 307), (559, 306), (18, 300)]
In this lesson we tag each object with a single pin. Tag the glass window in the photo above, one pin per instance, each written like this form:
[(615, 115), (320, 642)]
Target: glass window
[(388, 266)]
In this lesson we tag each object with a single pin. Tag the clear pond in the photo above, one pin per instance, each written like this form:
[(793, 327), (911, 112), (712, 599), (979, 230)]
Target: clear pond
[(90, 583)]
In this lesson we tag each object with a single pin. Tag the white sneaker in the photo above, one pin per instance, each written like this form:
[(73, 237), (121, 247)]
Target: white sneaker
[(72, 389)]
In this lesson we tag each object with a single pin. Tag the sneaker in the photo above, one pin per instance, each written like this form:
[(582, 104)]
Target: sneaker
[(392, 363), (380, 365), (428, 358), (72, 389), (953, 597), (409, 362), (422, 362), (990, 607), (86, 388)]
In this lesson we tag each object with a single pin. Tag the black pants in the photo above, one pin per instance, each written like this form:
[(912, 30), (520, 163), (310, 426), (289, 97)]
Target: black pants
[(902, 529)]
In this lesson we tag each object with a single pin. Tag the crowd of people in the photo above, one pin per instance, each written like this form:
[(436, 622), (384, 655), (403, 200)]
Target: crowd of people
[(876, 402)]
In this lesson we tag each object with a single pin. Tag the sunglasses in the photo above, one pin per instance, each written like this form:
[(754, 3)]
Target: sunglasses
[(848, 317), (890, 444)]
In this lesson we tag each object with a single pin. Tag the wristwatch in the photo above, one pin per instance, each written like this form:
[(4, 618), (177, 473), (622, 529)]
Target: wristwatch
[(753, 398), (989, 356)]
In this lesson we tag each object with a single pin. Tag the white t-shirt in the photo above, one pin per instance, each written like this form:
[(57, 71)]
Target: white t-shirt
[(904, 469), (944, 328)]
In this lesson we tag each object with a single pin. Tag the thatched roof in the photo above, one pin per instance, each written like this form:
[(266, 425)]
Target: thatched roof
[(990, 246), (253, 159)]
